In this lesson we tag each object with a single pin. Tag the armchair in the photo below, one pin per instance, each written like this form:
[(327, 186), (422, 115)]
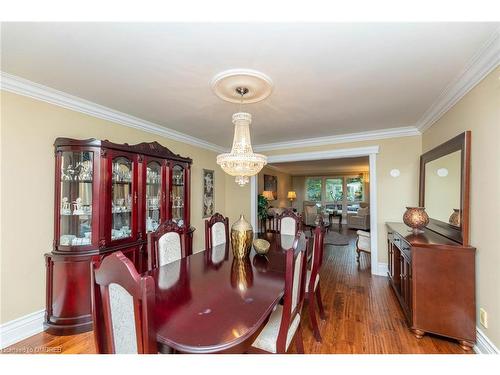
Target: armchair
[(310, 213), (360, 220)]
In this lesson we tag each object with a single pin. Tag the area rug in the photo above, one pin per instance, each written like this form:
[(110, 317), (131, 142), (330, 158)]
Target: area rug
[(337, 239)]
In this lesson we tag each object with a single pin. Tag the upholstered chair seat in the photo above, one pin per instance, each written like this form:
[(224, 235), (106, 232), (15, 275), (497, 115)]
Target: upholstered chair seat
[(269, 335), (313, 289), (289, 222), (363, 243), (166, 245), (169, 248), (217, 234), (122, 303), (284, 322)]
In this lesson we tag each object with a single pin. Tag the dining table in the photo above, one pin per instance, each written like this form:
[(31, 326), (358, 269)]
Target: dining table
[(213, 302)]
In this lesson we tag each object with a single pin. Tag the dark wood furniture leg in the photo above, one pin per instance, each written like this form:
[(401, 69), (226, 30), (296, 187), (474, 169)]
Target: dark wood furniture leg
[(466, 345), (418, 333), (312, 317), (322, 314), (299, 342)]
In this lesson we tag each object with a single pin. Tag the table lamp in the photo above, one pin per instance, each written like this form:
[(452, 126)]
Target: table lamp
[(268, 195), (292, 195)]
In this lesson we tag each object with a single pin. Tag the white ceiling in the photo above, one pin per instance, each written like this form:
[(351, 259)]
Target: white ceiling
[(323, 167), (330, 79)]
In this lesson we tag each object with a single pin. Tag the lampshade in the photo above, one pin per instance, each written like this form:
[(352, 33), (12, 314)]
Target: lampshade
[(268, 195), (292, 195)]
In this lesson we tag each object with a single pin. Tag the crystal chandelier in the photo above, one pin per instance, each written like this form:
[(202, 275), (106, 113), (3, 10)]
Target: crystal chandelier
[(241, 162)]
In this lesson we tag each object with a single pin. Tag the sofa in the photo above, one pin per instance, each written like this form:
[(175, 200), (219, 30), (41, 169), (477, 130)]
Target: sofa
[(360, 220)]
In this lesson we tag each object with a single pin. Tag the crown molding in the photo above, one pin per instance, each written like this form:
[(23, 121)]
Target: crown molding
[(34, 90), (407, 131), (481, 64), (321, 155)]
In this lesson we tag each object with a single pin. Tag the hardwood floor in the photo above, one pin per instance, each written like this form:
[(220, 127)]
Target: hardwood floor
[(363, 316)]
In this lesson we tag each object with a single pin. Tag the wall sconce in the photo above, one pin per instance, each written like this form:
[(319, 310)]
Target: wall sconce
[(395, 173)]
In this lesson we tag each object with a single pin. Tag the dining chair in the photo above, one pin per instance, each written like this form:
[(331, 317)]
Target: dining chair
[(166, 245), (284, 324), (216, 233), (289, 222), (312, 280), (122, 303)]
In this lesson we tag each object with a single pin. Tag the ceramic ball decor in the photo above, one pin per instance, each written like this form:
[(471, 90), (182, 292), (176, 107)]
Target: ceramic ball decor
[(416, 218)]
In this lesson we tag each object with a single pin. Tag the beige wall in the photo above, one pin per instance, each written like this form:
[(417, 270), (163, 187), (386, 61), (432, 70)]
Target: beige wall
[(479, 111), (393, 194), (29, 128), (284, 186)]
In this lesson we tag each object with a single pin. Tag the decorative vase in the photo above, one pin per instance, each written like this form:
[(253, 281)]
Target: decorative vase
[(416, 218), (241, 238), (455, 217)]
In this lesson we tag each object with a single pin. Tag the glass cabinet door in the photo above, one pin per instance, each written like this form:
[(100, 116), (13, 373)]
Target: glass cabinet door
[(121, 198), (153, 196), (75, 225), (178, 195)]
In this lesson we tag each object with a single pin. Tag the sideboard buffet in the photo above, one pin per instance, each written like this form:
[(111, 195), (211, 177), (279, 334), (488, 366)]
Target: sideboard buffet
[(108, 196), (433, 278)]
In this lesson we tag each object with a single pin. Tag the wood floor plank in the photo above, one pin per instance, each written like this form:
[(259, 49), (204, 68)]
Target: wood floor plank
[(363, 316)]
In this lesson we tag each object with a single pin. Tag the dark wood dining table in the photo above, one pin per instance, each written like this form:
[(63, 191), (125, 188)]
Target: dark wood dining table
[(211, 302)]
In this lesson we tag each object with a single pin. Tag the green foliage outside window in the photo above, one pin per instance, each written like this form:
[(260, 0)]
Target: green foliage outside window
[(313, 189)]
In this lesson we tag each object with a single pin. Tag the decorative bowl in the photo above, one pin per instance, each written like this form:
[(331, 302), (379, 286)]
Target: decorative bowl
[(261, 246)]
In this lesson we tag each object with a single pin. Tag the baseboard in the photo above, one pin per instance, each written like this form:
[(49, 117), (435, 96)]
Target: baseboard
[(21, 328), (483, 344), (382, 269)]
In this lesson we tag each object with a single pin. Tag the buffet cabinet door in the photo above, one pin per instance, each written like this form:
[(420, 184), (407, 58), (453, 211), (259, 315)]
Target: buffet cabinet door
[(76, 200), (178, 183), (153, 194), (406, 286), (122, 221)]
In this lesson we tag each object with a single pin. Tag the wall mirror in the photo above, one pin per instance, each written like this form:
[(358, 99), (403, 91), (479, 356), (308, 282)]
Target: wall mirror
[(444, 188)]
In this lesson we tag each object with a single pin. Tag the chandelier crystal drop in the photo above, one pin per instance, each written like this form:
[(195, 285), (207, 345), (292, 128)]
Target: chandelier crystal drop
[(241, 162)]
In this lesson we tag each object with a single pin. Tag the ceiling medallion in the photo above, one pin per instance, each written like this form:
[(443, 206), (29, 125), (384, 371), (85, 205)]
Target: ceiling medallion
[(241, 162)]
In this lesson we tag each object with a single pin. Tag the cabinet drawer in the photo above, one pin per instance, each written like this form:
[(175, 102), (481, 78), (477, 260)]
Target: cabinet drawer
[(402, 245)]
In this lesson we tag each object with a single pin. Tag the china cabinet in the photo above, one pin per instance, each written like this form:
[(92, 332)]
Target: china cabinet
[(108, 196)]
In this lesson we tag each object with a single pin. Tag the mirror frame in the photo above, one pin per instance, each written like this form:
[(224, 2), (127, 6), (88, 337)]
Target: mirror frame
[(461, 142)]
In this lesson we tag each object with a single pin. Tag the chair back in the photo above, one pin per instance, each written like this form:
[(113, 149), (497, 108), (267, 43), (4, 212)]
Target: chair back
[(122, 303), (216, 231), (289, 222), (317, 254), (295, 277), (166, 245)]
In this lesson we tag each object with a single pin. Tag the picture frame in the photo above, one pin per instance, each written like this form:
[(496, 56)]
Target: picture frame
[(208, 195), (271, 184)]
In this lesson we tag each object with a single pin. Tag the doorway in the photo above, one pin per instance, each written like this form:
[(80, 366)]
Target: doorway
[(371, 152)]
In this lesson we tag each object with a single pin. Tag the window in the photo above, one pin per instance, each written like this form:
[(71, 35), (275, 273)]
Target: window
[(355, 189), (334, 189), (313, 189)]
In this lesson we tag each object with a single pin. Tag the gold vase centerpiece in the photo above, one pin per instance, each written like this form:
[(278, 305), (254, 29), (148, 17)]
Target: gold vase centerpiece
[(416, 218), (241, 238), (455, 218)]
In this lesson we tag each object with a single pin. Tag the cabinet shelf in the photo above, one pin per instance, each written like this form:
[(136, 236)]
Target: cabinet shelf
[(77, 181), (122, 182)]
